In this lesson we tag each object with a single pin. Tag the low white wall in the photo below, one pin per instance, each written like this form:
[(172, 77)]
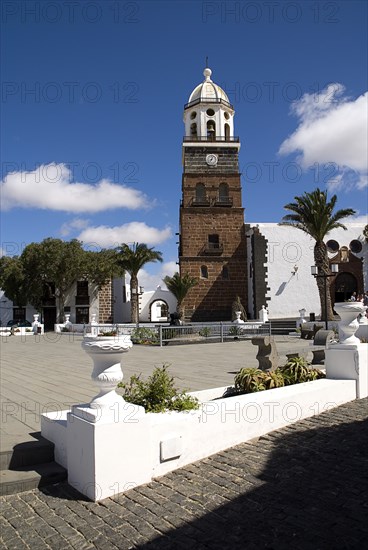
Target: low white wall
[(72, 327), (107, 458), (20, 331)]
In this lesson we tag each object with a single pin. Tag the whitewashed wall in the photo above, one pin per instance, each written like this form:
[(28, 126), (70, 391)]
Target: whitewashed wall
[(123, 309), (289, 248), (6, 309), (149, 297)]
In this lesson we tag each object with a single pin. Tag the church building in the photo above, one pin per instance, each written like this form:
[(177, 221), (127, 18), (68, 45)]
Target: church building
[(264, 264)]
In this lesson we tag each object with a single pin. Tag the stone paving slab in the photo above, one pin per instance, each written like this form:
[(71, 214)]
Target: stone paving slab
[(302, 487), (51, 372)]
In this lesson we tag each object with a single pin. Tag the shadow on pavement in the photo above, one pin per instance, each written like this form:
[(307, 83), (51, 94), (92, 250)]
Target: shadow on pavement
[(314, 496)]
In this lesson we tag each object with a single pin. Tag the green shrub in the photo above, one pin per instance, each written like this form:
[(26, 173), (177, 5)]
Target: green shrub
[(205, 331), (297, 370), (235, 331), (250, 380), (168, 333), (143, 335), (158, 393), (274, 379)]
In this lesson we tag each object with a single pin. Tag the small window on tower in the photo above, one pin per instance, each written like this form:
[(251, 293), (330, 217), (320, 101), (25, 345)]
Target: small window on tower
[(210, 112), (193, 129), (225, 272), (213, 242), (204, 272), (193, 114), (200, 192), (227, 116), (223, 192)]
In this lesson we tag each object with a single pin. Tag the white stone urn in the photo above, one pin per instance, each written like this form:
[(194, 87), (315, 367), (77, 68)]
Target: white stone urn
[(35, 323), (301, 319), (238, 320), (106, 353), (348, 325), (263, 315)]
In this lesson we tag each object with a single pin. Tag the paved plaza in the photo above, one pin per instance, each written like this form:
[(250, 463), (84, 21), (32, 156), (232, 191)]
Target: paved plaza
[(304, 486), (51, 372)]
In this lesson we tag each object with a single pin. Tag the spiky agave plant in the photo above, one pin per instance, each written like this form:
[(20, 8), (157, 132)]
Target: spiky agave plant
[(250, 380)]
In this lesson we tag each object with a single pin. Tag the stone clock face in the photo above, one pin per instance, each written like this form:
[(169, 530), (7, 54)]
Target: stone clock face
[(211, 159)]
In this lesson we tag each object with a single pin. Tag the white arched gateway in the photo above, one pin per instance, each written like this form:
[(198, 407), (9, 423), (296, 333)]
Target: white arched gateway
[(159, 311)]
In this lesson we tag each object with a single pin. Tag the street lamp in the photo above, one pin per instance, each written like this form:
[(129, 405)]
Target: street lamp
[(320, 275)]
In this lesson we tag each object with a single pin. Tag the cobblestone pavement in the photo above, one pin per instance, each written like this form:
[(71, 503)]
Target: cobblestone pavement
[(301, 487)]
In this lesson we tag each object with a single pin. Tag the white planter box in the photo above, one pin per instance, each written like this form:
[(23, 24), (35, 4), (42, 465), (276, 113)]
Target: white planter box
[(105, 458), (19, 331)]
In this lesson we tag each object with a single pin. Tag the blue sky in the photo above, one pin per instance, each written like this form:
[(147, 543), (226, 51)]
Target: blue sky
[(92, 108)]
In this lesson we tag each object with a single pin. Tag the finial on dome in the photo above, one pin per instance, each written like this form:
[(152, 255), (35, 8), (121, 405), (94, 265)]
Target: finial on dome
[(207, 74)]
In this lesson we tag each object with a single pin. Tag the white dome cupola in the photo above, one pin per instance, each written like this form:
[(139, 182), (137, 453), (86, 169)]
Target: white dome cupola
[(208, 115)]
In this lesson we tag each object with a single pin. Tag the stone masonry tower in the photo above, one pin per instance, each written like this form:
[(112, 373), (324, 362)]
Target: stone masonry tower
[(212, 243)]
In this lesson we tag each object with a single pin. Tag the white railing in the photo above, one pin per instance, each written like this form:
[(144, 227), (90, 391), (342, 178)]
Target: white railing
[(163, 334)]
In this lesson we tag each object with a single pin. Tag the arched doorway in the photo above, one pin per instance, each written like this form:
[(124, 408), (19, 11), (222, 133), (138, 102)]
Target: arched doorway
[(345, 285), (159, 311)]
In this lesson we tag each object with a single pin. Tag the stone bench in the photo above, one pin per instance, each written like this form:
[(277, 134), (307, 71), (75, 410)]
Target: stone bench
[(268, 356), (308, 333), (321, 339), (318, 354)]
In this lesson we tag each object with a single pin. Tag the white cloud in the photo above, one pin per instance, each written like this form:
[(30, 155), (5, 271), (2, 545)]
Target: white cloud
[(50, 187), (150, 281), (332, 129), (68, 227), (361, 219), (105, 236)]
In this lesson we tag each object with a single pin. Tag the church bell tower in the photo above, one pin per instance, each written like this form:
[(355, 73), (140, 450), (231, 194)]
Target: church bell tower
[(212, 245)]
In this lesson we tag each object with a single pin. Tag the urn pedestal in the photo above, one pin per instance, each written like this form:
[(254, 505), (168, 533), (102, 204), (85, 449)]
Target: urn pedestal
[(106, 438), (348, 359)]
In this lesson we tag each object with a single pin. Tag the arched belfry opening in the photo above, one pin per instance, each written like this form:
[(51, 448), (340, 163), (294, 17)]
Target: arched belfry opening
[(211, 130)]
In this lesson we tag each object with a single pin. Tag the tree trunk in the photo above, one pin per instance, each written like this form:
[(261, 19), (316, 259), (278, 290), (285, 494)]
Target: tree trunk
[(134, 305), (181, 311), (321, 261), (60, 301)]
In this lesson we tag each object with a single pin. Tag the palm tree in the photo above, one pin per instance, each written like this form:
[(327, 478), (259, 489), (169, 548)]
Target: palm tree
[(313, 214), (132, 259), (365, 233), (180, 286)]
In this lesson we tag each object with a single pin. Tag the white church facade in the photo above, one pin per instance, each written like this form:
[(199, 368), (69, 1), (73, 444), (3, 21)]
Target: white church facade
[(279, 268)]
